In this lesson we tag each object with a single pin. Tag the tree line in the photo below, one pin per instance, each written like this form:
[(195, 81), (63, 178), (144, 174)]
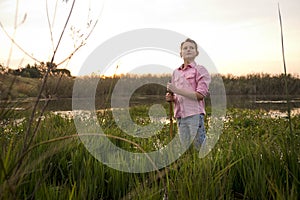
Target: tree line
[(261, 84), (148, 84), (35, 70), (252, 84)]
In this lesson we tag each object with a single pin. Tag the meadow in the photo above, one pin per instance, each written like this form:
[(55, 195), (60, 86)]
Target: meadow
[(42, 157), (256, 157)]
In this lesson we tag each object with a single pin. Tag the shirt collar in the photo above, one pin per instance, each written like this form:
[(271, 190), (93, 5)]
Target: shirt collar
[(192, 64)]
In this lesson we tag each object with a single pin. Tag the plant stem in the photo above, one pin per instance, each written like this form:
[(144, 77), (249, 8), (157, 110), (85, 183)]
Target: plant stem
[(285, 74)]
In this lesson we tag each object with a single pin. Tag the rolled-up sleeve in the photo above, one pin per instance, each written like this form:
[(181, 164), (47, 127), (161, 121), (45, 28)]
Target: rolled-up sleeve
[(203, 80)]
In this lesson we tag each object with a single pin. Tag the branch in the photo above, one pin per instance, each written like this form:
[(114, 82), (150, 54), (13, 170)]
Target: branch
[(49, 66), (17, 45), (49, 25), (81, 45), (84, 41)]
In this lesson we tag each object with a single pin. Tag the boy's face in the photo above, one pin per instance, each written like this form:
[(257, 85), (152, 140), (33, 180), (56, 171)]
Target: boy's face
[(188, 51)]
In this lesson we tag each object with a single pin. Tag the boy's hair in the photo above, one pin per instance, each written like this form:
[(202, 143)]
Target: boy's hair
[(189, 40)]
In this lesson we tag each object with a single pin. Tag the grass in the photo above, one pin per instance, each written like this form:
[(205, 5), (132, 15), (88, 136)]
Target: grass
[(22, 87), (255, 158)]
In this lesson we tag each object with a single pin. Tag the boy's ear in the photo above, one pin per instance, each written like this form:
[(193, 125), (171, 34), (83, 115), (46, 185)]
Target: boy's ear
[(180, 54), (197, 53)]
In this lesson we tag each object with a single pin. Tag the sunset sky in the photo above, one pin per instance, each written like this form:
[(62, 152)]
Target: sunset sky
[(240, 37)]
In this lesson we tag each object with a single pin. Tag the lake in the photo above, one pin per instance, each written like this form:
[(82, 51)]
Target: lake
[(275, 107)]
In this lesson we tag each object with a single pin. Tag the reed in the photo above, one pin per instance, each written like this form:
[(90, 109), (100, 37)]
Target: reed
[(285, 73)]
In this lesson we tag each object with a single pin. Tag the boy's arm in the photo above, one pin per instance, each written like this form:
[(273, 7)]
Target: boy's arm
[(186, 93)]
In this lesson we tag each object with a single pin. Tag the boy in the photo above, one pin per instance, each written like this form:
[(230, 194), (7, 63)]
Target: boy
[(189, 84)]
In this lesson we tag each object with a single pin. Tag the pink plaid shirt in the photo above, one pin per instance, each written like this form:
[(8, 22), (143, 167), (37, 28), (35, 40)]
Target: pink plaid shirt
[(194, 78)]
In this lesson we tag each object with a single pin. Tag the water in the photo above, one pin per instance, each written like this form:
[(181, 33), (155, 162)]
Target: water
[(273, 108), (276, 108)]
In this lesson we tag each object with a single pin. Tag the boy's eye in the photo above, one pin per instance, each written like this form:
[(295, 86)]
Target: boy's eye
[(185, 48)]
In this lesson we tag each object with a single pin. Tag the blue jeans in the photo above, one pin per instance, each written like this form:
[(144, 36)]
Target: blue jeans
[(192, 128)]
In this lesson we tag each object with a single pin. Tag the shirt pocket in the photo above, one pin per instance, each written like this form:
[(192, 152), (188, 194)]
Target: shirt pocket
[(190, 76), (190, 80)]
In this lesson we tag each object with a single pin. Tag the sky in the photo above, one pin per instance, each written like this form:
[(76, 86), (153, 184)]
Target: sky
[(240, 37)]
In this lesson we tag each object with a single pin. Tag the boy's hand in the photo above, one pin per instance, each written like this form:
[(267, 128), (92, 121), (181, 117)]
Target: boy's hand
[(169, 97)]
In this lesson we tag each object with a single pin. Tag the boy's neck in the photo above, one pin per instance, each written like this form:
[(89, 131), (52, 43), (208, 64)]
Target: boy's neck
[(187, 62)]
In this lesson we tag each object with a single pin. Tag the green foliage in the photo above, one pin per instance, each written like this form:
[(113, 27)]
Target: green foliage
[(255, 158), (38, 71), (262, 86)]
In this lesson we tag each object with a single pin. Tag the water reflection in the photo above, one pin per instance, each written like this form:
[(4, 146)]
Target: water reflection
[(277, 108)]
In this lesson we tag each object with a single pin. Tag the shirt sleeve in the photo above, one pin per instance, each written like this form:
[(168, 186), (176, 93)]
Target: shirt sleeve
[(203, 80)]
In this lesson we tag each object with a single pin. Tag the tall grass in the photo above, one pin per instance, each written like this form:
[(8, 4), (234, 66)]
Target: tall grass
[(17, 142), (250, 161)]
